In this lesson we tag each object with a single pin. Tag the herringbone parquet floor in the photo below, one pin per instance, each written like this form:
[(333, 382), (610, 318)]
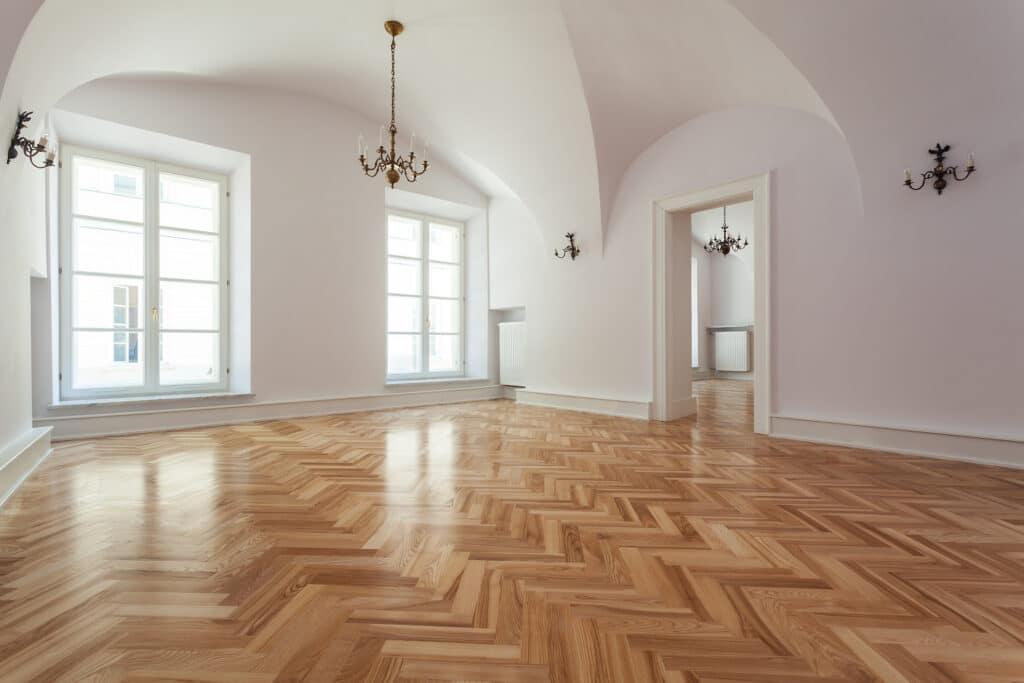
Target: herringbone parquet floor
[(496, 542)]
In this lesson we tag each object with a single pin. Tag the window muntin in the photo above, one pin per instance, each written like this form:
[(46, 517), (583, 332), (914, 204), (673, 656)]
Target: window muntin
[(426, 327), (144, 276)]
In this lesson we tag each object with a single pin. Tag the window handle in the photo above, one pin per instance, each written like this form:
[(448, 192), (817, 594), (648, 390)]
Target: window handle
[(154, 313)]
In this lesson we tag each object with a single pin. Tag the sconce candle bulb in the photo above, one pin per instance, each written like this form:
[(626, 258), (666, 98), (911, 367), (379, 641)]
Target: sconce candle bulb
[(940, 172), (29, 148)]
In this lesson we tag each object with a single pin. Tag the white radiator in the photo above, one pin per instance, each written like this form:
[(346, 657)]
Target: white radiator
[(512, 353), (732, 351)]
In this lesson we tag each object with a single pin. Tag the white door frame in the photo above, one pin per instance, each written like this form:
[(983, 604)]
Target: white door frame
[(663, 407)]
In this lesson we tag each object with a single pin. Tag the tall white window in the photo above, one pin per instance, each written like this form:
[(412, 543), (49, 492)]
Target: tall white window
[(426, 306), (143, 268)]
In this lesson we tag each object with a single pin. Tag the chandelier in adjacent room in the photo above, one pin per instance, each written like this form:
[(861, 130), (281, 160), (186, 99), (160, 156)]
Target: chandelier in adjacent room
[(727, 243), (393, 165)]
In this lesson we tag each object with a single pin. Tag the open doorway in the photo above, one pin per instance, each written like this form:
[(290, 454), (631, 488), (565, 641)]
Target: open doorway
[(732, 341)]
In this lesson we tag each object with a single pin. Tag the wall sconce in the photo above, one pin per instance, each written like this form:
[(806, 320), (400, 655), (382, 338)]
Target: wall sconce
[(28, 147), (939, 172), (572, 250)]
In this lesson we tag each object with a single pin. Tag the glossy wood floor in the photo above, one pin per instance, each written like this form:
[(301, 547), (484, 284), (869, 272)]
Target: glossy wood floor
[(496, 542)]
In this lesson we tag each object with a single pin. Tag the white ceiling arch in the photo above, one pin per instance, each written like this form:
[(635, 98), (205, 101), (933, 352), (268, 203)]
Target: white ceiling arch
[(650, 66), (468, 76), (548, 101)]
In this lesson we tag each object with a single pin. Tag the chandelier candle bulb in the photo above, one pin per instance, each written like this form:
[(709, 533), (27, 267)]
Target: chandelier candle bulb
[(906, 175), (970, 160), (43, 140)]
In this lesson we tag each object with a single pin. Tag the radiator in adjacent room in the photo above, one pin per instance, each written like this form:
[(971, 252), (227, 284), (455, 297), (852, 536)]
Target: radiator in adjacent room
[(512, 353), (732, 351)]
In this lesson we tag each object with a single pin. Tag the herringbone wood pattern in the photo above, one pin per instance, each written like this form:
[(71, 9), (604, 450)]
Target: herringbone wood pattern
[(490, 541)]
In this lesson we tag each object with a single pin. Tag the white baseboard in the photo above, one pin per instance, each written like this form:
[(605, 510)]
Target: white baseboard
[(156, 420), (640, 410), (19, 458), (967, 448), (510, 392)]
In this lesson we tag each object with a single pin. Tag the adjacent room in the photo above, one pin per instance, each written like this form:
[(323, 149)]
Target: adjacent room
[(476, 340)]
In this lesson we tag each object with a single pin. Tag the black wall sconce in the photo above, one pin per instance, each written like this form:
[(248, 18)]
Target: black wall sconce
[(940, 172), (29, 148), (572, 250)]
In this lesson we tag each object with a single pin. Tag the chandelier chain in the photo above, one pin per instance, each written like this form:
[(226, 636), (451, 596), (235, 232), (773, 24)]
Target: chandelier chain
[(392, 93)]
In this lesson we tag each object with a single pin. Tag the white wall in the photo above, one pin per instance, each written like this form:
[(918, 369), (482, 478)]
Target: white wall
[(596, 313), (22, 222), (514, 241), (318, 227)]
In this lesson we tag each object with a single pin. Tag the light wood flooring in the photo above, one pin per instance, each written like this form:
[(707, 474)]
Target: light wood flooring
[(496, 542)]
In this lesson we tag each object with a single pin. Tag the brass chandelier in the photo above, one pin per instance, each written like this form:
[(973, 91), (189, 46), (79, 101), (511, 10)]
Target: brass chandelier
[(393, 165), (727, 243)]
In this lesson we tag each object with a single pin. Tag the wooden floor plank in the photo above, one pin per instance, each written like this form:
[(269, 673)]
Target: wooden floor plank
[(493, 541)]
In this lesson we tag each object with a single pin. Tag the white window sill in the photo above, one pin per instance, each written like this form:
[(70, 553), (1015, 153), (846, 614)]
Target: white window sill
[(433, 380), (143, 400)]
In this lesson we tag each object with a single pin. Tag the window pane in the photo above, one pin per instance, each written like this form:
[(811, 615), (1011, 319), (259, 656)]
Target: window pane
[(403, 237), (189, 203), (106, 189), (93, 302), (444, 280), (445, 315), (444, 243), (444, 353), (189, 306), (403, 354), (404, 314), (189, 358), (403, 276), (188, 256), (103, 360), (107, 247)]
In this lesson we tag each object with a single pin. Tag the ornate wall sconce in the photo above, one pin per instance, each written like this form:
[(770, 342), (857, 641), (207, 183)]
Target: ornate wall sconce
[(29, 148), (572, 250), (940, 172)]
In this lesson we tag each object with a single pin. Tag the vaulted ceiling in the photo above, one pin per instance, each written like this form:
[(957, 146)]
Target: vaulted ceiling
[(546, 100)]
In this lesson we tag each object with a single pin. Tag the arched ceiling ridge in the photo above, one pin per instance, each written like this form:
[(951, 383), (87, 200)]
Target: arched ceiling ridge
[(649, 66)]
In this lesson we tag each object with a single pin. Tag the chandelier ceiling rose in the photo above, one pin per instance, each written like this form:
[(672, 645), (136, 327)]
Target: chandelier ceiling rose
[(727, 243), (389, 162)]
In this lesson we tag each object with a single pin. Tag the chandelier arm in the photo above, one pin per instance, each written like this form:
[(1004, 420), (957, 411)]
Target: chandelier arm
[(32, 160), (377, 168), (953, 171), (925, 177)]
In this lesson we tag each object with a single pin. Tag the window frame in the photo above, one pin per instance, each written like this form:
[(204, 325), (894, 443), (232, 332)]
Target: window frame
[(424, 296), (149, 296)]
